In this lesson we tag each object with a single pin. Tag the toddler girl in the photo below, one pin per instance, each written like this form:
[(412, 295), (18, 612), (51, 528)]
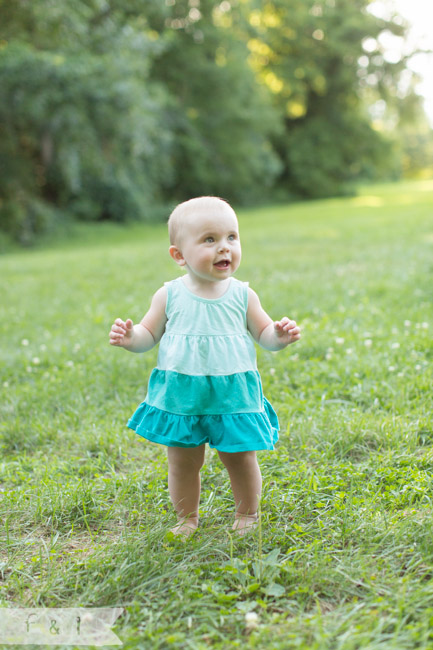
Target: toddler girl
[(206, 387)]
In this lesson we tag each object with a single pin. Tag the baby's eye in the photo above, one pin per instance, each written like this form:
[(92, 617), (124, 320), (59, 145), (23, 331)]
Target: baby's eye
[(209, 240), (231, 237)]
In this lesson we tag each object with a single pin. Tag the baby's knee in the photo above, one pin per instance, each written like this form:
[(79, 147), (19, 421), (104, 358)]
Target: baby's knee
[(184, 460), (239, 460)]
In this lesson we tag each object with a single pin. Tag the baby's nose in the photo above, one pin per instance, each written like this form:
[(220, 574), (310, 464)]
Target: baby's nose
[(224, 246)]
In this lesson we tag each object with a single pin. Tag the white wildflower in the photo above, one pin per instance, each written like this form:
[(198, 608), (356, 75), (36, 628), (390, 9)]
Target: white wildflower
[(70, 364), (391, 368), (339, 340), (25, 342), (251, 620), (368, 343), (407, 323), (424, 326), (395, 346), (36, 361)]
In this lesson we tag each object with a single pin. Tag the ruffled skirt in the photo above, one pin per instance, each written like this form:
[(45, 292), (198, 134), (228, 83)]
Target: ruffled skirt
[(231, 432)]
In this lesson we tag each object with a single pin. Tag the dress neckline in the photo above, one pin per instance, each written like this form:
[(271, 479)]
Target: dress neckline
[(211, 300)]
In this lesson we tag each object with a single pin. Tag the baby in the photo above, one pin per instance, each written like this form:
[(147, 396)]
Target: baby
[(206, 387)]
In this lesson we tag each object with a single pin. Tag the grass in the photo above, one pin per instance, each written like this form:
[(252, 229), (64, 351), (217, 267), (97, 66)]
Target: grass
[(343, 558)]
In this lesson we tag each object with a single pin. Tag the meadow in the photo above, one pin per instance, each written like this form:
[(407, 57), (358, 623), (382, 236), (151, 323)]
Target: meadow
[(343, 557)]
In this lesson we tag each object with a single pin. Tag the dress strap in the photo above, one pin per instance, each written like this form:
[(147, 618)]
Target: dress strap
[(245, 294), (169, 286), (241, 293)]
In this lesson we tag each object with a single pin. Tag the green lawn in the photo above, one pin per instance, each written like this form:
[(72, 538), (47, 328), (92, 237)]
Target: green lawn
[(344, 555)]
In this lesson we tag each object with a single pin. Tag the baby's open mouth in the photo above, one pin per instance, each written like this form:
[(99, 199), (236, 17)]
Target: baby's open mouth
[(223, 264)]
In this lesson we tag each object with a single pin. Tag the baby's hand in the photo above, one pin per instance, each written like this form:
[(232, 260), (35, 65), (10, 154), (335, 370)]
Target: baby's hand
[(287, 329), (121, 332)]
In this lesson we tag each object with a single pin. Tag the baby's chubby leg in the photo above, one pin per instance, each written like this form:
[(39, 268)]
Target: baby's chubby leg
[(246, 482), (184, 465)]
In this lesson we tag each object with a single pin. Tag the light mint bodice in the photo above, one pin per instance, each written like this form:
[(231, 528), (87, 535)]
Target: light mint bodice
[(206, 337), (207, 359)]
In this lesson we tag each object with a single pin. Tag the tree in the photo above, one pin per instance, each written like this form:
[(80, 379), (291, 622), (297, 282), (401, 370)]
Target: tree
[(81, 128), (307, 53), (220, 118), (110, 108)]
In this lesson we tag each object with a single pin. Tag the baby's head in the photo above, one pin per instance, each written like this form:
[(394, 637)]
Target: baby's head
[(204, 238), (188, 215)]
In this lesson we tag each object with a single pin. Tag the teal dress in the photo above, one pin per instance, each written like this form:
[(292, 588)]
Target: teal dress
[(206, 387)]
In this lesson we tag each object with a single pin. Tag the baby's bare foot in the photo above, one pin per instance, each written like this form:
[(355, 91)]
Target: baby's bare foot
[(185, 528), (244, 524)]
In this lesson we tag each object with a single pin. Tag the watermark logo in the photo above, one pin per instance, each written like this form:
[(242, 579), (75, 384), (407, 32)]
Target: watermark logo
[(59, 626)]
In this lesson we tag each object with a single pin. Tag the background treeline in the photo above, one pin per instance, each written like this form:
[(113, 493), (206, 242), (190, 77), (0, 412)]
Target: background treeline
[(111, 109)]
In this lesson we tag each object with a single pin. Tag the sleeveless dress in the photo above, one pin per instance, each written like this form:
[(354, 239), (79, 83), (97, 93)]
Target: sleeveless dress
[(206, 387)]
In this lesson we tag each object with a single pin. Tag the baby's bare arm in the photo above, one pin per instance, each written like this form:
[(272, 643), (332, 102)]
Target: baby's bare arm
[(269, 334), (142, 337)]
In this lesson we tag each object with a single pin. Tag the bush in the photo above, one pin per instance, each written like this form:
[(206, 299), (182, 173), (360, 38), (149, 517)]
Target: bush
[(80, 133)]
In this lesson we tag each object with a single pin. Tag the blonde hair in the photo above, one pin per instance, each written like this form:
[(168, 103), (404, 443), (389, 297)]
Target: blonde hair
[(187, 208)]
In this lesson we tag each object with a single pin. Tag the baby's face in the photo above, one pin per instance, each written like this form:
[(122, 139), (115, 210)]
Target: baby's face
[(210, 244)]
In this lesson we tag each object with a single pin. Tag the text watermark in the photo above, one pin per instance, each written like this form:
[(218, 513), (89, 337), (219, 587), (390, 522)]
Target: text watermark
[(59, 626)]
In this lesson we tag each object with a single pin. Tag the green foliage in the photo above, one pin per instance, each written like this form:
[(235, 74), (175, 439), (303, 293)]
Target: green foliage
[(221, 121), (316, 167), (308, 54), (64, 143), (112, 110), (415, 138)]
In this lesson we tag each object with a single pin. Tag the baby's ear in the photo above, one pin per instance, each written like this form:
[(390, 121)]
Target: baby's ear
[(176, 254)]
